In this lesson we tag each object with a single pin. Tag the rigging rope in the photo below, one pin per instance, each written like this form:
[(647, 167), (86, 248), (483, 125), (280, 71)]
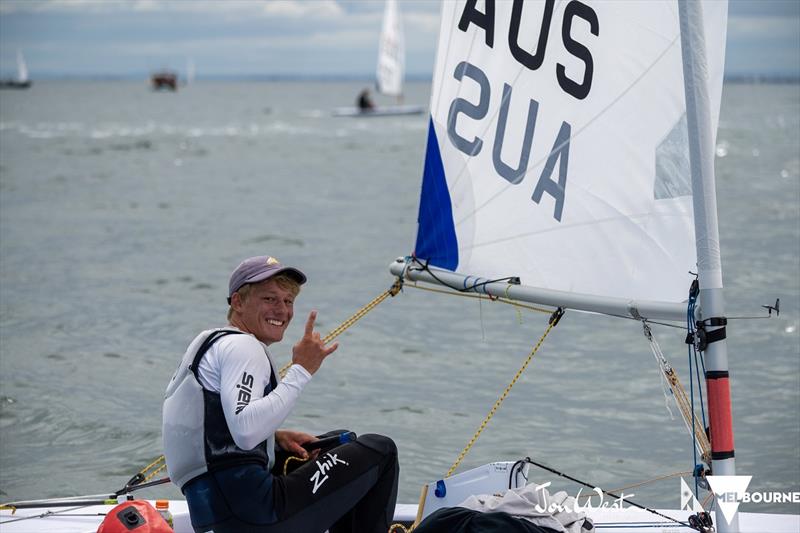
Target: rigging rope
[(613, 495), (642, 483), (392, 291), (554, 319), (693, 341), (686, 407), (145, 472)]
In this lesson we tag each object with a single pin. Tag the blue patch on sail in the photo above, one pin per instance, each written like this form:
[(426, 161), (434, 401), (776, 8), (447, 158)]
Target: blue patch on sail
[(436, 234)]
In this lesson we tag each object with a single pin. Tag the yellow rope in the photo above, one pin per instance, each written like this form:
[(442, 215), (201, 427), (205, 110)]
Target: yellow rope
[(679, 393), (685, 406), (288, 460), (496, 406), (146, 471), (393, 290), (152, 474), (151, 465)]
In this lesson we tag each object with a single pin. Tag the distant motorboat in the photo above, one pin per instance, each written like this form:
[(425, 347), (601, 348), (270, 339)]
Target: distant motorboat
[(22, 81), (164, 80)]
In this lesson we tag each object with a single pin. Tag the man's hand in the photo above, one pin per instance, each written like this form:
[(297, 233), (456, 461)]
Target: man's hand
[(292, 441), (310, 351)]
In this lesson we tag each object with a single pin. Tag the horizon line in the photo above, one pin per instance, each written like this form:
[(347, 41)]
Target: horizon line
[(145, 76)]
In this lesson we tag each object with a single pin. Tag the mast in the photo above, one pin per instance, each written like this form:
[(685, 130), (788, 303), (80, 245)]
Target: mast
[(709, 263)]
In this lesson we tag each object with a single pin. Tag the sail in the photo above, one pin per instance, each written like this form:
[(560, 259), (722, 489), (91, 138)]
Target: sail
[(391, 52), (557, 148), (189, 71), (22, 68)]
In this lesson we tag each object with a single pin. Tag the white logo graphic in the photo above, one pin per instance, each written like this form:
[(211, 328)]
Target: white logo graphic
[(729, 492), (320, 476), (688, 499)]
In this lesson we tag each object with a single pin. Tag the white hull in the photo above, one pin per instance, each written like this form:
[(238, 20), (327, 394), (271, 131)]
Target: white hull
[(627, 520), (379, 112)]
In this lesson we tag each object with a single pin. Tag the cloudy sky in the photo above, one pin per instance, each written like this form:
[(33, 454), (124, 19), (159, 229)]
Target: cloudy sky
[(292, 37)]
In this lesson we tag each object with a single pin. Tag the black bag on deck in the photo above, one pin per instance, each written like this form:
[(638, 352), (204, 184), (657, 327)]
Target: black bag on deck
[(461, 520)]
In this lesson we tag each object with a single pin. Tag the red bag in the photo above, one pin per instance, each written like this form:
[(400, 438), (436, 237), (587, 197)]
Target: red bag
[(134, 515)]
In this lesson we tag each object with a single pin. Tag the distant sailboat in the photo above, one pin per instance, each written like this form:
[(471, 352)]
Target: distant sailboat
[(22, 81), (189, 71), (390, 72)]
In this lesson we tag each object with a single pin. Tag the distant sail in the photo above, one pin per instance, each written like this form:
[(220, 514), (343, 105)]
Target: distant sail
[(391, 52), (22, 68), (189, 71), (557, 147)]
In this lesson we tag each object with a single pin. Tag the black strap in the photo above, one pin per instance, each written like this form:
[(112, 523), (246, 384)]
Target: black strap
[(214, 337), (716, 335), (720, 456), (713, 322), (210, 340), (702, 337)]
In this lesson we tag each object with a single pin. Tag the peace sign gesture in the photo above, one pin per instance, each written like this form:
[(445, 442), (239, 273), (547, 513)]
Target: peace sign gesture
[(310, 351)]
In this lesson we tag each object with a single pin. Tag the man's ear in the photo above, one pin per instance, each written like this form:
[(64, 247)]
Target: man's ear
[(236, 301)]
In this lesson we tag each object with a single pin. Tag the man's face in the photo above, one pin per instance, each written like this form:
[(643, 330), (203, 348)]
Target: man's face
[(265, 312)]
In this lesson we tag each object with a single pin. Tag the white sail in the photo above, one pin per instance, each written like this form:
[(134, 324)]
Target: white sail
[(22, 68), (558, 149), (189, 71), (391, 52)]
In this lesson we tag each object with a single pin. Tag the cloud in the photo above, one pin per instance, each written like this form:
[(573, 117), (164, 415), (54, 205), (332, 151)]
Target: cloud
[(297, 8), (272, 8)]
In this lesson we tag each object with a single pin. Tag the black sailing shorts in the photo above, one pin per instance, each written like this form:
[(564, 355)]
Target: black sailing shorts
[(347, 489)]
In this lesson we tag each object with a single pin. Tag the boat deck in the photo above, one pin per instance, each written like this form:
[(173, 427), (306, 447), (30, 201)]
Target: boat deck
[(87, 519)]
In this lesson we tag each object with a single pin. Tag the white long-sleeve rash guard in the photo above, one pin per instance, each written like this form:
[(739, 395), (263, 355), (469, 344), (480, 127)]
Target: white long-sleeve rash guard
[(238, 368)]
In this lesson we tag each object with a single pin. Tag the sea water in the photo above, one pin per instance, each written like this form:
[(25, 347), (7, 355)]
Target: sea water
[(123, 212)]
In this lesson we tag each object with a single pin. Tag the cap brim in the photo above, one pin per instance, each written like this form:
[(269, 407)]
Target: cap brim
[(293, 273)]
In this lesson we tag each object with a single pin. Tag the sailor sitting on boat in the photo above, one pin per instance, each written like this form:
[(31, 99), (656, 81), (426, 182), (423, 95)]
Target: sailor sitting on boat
[(221, 416), (364, 102)]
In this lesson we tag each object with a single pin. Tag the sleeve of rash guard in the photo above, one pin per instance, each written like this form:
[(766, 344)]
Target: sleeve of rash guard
[(244, 374)]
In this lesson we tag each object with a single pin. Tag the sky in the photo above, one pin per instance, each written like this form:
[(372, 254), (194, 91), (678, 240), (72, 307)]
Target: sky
[(292, 38)]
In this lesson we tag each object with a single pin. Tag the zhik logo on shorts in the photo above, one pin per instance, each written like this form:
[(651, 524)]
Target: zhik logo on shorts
[(321, 475)]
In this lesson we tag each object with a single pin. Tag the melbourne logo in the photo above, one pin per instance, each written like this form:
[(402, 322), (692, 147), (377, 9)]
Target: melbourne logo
[(729, 491), (245, 392), (321, 475)]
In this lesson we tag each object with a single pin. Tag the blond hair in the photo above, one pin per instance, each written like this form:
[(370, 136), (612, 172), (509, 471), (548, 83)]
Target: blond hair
[(282, 280)]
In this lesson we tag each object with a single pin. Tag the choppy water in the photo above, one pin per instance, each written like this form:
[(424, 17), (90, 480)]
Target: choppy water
[(123, 211)]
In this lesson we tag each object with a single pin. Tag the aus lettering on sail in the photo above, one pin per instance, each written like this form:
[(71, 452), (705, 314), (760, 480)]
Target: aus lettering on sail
[(523, 64)]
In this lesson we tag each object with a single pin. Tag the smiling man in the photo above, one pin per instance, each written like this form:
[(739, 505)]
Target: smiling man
[(222, 412)]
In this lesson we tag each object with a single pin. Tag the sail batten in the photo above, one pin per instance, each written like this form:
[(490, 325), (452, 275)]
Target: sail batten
[(561, 131)]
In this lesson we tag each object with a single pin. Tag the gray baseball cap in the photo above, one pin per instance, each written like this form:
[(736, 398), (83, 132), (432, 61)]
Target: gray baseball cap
[(259, 268)]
